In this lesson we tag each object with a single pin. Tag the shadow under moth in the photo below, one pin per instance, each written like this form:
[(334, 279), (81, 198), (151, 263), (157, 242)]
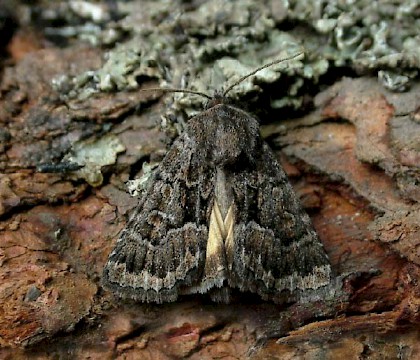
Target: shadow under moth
[(219, 216)]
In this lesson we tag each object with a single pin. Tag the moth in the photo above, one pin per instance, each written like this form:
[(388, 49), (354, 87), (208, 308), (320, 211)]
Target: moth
[(218, 217)]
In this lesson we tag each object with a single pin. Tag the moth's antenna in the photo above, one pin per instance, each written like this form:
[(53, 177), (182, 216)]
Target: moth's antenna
[(291, 57), (231, 86), (178, 90)]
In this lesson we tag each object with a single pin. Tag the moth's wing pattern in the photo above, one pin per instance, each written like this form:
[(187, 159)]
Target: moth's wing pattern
[(277, 253), (162, 248)]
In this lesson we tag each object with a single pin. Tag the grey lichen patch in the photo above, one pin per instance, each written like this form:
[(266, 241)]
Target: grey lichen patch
[(92, 22), (185, 44), (33, 293), (137, 186), (393, 81), (93, 156), (96, 12), (119, 72)]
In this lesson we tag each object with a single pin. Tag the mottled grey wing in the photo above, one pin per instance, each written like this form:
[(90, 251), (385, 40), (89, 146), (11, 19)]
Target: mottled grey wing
[(162, 249), (277, 253)]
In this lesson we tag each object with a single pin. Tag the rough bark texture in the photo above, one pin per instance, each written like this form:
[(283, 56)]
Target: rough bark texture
[(354, 161)]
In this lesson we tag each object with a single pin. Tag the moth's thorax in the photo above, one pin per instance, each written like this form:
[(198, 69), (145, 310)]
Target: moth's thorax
[(223, 191), (225, 134)]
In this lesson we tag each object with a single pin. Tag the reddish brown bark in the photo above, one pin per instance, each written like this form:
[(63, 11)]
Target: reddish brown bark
[(354, 161)]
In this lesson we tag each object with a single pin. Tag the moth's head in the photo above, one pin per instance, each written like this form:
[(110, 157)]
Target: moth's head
[(218, 98)]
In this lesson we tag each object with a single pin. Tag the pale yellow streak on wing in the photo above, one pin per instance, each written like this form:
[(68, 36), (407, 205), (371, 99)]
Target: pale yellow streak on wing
[(220, 239), (216, 232)]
